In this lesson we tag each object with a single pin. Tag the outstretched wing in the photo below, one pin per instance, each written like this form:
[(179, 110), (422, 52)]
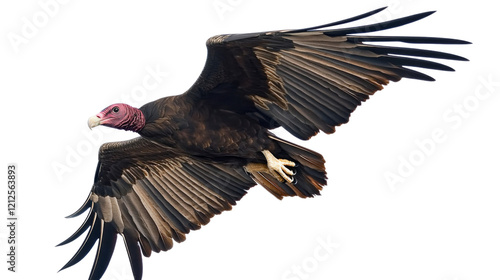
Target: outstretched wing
[(151, 196), (310, 79)]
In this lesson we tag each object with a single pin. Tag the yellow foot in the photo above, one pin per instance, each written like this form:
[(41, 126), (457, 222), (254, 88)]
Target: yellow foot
[(278, 167)]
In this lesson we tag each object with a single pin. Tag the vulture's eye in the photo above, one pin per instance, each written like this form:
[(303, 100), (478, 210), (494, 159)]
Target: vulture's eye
[(116, 109)]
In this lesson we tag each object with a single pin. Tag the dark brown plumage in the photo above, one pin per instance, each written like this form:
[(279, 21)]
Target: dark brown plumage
[(199, 152)]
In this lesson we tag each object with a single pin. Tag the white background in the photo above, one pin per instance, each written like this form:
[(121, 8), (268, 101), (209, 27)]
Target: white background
[(441, 222)]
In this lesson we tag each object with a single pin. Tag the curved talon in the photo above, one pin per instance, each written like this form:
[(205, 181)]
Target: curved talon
[(278, 167)]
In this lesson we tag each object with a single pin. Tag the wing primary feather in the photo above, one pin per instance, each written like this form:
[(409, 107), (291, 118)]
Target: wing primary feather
[(406, 39), (134, 255), (378, 26), (351, 19), (410, 52), (416, 62), (87, 244), (396, 68), (88, 222), (105, 249), (412, 74), (86, 205)]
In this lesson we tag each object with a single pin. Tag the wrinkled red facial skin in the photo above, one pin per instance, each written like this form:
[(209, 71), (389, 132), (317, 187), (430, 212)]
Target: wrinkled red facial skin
[(122, 116), (111, 118)]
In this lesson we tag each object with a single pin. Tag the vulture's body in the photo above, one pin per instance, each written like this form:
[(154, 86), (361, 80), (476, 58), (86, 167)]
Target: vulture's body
[(199, 152), (199, 130)]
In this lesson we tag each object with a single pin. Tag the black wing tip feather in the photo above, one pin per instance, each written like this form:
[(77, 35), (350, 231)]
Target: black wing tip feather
[(88, 243), (86, 205), (106, 235), (87, 223), (134, 255), (409, 39), (392, 24), (379, 26), (351, 19), (106, 247)]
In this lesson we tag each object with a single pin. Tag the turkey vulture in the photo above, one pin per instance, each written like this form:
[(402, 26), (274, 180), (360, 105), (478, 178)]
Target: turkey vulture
[(198, 153)]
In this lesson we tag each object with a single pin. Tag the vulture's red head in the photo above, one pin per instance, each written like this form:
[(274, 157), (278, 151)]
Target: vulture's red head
[(121, 116)]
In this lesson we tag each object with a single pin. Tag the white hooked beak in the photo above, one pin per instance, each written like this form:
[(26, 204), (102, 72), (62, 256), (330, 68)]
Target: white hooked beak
[(94, 121)]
